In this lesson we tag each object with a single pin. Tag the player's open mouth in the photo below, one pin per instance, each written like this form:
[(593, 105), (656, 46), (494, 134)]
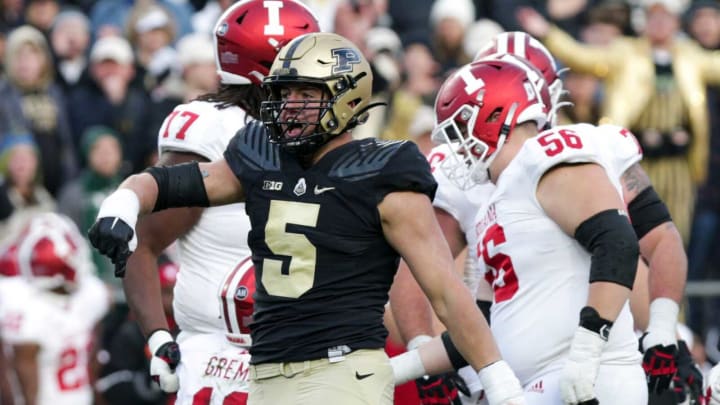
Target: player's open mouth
[(294, 129)]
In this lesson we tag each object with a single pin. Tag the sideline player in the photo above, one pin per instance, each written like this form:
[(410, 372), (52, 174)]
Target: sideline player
[(49, 311), (210, 241), (329, 216)]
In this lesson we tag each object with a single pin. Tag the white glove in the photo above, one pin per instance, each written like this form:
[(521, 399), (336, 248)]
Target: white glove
[(501, 385), (113, 233), (713, 386), (577, 383), (165, 358)]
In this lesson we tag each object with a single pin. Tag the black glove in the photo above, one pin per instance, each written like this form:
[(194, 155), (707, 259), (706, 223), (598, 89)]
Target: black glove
[(441, 389), (659, 365), (689, 379), (111, 237)]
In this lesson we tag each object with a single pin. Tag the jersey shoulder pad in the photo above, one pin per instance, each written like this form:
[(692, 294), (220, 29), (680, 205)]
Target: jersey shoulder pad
[(624, 149), (251, 150), (559, 145), (393, 166), (199, 127)]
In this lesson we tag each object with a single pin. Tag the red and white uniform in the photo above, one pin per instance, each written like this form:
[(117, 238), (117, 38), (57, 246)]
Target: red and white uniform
[(463, 205), (62, 326), (211, 248), (223, 358), (540, 274), (215, 243)]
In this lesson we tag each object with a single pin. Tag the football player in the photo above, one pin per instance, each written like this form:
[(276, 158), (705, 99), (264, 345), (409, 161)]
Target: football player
[(50, 321), (226, 371), (554, 236), (247, 36), (330, 217), (660, 243)]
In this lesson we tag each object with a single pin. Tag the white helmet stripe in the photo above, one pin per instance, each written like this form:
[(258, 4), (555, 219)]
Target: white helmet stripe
[(502, 42), (519, 43), (227, 294)]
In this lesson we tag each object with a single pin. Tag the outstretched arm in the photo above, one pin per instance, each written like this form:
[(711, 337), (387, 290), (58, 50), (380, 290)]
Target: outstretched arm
[(155, 233), (183, 185)]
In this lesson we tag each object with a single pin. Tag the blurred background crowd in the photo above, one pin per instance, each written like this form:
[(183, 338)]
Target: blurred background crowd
[(85, 86)]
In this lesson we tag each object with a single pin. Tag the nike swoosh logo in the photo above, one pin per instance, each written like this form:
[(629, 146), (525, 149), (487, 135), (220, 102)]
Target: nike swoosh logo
[(362, 376), (320, 190)]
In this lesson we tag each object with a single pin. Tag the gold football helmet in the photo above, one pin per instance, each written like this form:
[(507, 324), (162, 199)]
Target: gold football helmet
[(325, 61)]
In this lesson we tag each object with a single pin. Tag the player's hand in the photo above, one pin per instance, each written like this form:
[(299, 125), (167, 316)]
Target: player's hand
[(577, 383), (165, 358), (658, 362), (713, 386), (113, 233), (689, 379), (442, 389), (501, 385)]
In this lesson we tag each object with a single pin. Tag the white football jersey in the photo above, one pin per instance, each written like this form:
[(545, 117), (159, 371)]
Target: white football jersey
[(62, 325), (463, 205), (213, 371), (219, 239), (539, 273)]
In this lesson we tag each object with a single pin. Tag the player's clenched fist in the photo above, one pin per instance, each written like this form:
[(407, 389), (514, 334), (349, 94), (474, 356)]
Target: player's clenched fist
[(165, 358), (113, 233)]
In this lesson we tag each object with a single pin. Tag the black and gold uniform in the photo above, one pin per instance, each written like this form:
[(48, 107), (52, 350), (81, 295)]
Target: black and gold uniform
[(323, 265)]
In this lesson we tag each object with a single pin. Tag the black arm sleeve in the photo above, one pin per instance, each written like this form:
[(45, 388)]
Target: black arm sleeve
[(610, 239), (647, 211), (179, 186)]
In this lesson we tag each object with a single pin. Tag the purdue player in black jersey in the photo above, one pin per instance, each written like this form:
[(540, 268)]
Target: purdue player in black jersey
[(330, 218)]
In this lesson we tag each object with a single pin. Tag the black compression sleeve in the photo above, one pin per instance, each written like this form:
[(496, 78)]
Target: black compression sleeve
[(457, 360), (647, 211), (610, 239), (179, 186)]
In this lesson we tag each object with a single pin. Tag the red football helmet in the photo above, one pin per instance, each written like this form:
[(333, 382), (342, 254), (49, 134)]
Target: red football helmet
[(237, 303), (476, 108), (51, 252), (525, 46), (250, 33)]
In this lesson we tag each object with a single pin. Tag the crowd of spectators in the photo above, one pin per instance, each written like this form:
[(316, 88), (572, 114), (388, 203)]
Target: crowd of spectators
[(85, 86)]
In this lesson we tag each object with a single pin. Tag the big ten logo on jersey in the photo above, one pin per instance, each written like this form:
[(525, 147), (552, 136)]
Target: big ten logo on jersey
[(272, 185), (499, 270), (227, 368)]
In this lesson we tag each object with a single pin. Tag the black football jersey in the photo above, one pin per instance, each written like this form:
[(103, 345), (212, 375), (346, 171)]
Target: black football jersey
[(323, 266)]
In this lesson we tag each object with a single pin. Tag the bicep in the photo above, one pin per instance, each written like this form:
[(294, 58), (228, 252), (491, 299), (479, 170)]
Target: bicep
[(221, 184), (410, 226), (570, 194)]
